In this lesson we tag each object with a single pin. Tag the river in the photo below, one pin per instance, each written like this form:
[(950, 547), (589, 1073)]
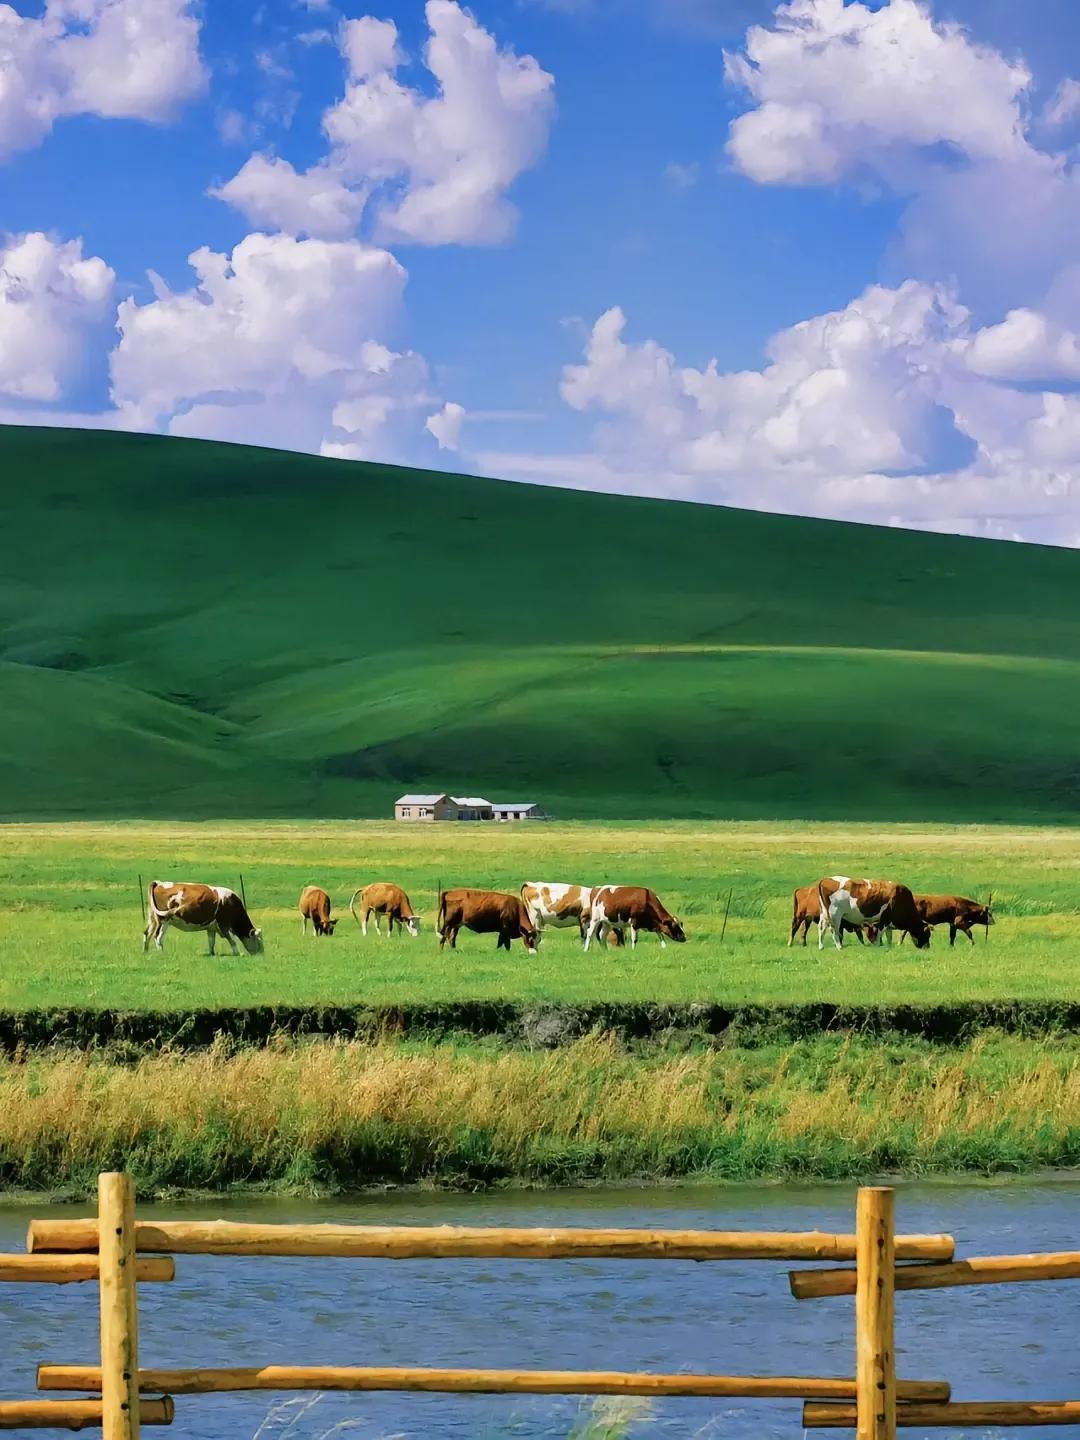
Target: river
[(998, 1342)]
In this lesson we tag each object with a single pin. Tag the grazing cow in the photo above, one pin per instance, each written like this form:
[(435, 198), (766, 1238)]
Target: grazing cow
[(560, 906), (614, 907), (212, 908), (486, 912), (955, 911), (880, 904), (383, 898), (315, 906), (806, 911)]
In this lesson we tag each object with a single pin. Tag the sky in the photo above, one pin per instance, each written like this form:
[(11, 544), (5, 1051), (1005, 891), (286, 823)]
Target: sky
[(813, 257)]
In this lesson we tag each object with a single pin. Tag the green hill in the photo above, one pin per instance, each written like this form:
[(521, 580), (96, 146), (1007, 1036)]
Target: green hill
[(196, 629)]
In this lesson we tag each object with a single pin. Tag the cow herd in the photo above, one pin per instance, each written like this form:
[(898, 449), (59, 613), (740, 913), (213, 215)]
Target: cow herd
[(837, 905), (601, 913)]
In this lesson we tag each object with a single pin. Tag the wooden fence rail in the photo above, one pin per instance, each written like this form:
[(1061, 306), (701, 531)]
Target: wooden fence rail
[(119, 1251)]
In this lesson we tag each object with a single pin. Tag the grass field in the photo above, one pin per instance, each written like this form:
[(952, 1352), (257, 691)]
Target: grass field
[(201, 630), (70, 925)]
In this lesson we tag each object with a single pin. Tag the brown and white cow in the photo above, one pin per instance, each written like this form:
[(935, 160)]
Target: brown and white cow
[(560, 906), (218, 911), (806, 911), (880, 904), (487, 912), (618, 907), (384, 898), (956, 911), (315, 906)]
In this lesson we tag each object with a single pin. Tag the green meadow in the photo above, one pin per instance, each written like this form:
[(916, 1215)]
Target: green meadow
[(70, 927), (196, 630)]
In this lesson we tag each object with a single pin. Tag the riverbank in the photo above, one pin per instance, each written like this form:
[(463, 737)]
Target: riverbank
[(323, 1117)]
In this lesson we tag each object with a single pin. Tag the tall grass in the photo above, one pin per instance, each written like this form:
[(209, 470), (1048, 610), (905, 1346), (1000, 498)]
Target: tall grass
[(328, 1116)]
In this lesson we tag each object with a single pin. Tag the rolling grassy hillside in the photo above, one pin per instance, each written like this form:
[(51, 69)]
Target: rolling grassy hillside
[(190, 629)]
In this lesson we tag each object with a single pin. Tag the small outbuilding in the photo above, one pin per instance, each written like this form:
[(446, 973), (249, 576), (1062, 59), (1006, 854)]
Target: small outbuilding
[(517, 810)]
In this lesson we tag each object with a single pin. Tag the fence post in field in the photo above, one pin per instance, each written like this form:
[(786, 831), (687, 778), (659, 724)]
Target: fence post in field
[(875, 1352), (119, 1315)]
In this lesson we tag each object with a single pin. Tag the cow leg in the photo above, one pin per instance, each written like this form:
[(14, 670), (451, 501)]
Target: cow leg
[(594, 926), (663, 942), (952, 934), (966, 930), (160, 926), (363, 921), (503, 942), (150, 933), (211, 936), (231, 938)]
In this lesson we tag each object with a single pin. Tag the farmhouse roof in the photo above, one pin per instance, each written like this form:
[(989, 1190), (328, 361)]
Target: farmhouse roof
[(474, 801), (419, 799), (513, 804)]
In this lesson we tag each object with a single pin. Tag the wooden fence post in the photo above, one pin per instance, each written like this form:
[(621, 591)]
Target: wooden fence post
[(119, 1314), (875, 1353)]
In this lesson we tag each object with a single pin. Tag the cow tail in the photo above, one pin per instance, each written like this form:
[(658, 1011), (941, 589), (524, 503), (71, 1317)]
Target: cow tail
[(441, 918), (823, 904), (352, 904)]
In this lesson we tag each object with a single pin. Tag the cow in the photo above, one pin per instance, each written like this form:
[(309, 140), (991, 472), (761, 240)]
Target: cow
[(806, 910), (486, 912), (315, 906), (212, 908), (881, 904), (560, 906), (955, 911), (384, 898), (615, 907)]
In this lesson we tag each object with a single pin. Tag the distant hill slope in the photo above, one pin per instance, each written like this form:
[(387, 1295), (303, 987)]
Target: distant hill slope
[(197, 629)]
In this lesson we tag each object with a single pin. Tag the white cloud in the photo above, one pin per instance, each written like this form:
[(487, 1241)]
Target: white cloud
[(1064, 105), (446, 425), (271, 194), (283, 343), (1025, 346), (439, 167), (839, 88), (134, 59), (50, 297), (681, 176)]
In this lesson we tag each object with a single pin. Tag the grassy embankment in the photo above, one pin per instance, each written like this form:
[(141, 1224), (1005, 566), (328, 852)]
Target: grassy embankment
[(211, 630)]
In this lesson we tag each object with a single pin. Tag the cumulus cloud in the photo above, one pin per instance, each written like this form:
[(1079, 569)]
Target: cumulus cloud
[(438, 167), (446, 425), (50, 298), (274, 195), (1025, 346), (840, 87), (132, 59), (281, 342)]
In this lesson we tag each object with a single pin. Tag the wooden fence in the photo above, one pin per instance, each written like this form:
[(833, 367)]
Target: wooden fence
[(121, 1252)]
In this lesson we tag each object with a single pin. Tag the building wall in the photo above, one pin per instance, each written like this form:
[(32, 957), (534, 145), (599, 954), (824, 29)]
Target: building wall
[(442, 810)]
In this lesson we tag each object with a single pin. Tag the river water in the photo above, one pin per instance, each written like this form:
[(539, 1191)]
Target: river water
[(998, 1342)]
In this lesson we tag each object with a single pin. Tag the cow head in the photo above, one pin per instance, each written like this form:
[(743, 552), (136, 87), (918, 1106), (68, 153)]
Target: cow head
[(253, 943), (984, 915), (671, 929), (413, 922), (920, 935), (527, 930), (329, 927)]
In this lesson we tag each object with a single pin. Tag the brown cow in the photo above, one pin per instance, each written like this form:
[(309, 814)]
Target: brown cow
[(384, 898), (806, 911), (486, 912), (955, 911), (315, 906), (881, 904), (614, 907), (212, 908)]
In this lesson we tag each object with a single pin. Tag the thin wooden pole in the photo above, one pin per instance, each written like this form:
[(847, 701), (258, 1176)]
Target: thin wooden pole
[(961, 1415), (489, 1382), (875, 1354), (978, 1270), (73, 1414), (446, 1242), (243, 892), (68, 1269), (142, 902), (119, 1310), (727, 908)]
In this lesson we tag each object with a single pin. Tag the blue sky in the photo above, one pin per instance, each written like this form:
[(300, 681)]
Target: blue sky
[(563, 251)]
